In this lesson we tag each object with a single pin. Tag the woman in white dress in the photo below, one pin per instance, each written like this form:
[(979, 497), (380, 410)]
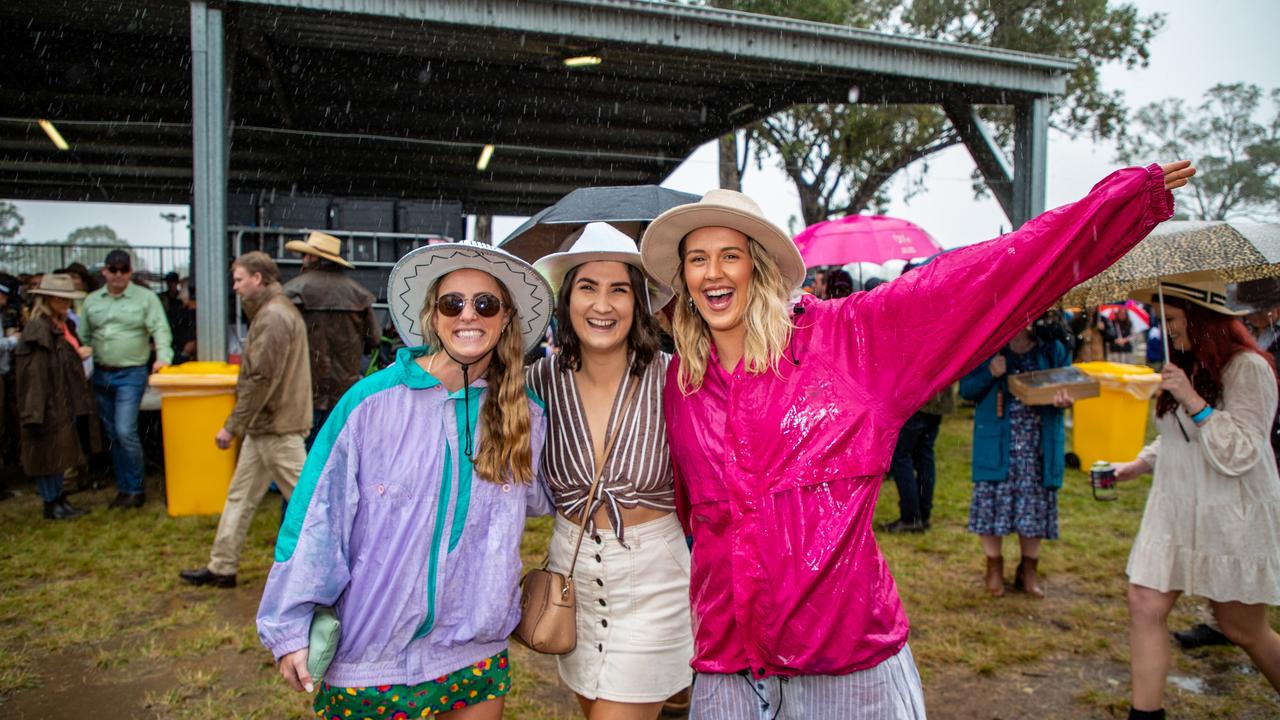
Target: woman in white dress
[(1212, 523)]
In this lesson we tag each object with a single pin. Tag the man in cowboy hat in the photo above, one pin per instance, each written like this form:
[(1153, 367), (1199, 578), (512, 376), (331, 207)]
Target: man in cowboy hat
[(341, 325), (272, 412), (121, 321)]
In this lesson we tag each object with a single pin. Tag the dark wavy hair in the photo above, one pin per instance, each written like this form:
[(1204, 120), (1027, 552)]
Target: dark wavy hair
[(642, 340), (1215, 339)]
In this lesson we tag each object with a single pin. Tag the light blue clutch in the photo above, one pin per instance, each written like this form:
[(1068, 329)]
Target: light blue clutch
[(325, 631)]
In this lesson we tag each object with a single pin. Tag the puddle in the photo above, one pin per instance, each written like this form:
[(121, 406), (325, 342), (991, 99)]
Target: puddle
[(1190, 684)]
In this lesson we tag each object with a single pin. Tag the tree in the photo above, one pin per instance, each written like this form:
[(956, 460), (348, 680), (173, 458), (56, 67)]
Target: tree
[(841, 156), (1236, 154), (10, 220), (88, 246)]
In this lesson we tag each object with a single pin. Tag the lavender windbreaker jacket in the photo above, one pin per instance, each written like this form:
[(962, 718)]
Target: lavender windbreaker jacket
[(420, 559)]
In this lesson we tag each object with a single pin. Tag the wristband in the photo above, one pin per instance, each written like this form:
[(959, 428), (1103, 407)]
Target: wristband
[(1203, 415)]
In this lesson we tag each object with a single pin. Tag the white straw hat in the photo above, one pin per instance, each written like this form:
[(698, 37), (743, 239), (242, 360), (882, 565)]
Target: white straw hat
[(414, 274), (1204, 289), (601, 241), (57, 285), (659, 248)]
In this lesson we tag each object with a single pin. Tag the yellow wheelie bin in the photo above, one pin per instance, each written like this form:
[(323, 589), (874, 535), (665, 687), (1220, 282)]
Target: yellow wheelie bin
[(195, 400), (1113, 425)]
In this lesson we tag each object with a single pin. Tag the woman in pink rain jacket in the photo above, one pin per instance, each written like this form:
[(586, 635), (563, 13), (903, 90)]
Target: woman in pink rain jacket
[(782, 422)]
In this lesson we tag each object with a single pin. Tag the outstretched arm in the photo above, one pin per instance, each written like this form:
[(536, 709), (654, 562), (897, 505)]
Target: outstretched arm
[(917, 334)]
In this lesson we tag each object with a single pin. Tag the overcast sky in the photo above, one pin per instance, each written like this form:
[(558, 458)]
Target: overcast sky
[(1203, 43)]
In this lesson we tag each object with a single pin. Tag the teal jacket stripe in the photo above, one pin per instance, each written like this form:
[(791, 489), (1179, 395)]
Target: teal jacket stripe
[(433, 565), (318, 458)]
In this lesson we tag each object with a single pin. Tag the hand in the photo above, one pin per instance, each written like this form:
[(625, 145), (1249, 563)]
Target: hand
[(85, 352), (998, 366), (155, 366), (1176, 382), (189, 349), (1177, 173), (294, 669), (1130, 470), (223, 439), (1063, 399)]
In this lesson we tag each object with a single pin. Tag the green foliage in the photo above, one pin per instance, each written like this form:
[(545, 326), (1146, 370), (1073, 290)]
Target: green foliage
[(10, 220), (1237, 154), (841, 157)]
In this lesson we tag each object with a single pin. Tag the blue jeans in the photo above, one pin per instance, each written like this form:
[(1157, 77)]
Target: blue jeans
[(49, 486), (913, 467), (119, 393)]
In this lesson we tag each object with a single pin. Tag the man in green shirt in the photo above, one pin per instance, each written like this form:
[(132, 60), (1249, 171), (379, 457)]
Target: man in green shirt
[(120, 322)]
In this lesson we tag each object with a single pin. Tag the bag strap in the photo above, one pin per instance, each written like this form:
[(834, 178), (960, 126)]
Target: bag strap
[(586, 508)]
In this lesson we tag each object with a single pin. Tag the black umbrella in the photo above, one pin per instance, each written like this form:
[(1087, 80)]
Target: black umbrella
[(630, 208)]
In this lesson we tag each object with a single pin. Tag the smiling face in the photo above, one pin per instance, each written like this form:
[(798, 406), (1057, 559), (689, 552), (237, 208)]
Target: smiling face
[(469, 336), (1176, 320), (717, 270), (601, 305)]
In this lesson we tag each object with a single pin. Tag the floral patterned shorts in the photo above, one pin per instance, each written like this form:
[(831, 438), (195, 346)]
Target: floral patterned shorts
[(488, 679)]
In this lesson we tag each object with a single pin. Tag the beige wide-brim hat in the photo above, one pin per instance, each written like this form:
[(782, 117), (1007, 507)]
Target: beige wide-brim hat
[(320, 245), (601, 241), (660, 245), (418, 270), (1204, 289), (58, 285)]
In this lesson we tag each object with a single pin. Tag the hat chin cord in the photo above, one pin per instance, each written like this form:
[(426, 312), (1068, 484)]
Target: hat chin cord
[(468, 446)]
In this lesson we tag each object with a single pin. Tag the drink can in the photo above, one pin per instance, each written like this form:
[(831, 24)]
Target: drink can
[(1102, 479)]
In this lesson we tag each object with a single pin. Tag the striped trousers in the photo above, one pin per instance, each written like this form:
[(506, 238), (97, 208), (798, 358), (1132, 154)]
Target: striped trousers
[(888, 691)]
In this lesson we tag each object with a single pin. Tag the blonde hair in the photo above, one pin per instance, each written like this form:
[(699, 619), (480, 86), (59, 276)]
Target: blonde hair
[(41, 308), (768, 322), (505, 426)]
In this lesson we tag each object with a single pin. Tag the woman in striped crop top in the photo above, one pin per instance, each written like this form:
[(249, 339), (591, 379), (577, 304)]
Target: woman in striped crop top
[(632, 575)]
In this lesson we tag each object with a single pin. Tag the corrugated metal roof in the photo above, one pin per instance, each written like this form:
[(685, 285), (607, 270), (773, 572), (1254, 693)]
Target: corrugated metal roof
[(394, 98)]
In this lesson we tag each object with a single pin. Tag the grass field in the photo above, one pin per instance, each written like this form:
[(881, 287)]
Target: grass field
[(95, 623)]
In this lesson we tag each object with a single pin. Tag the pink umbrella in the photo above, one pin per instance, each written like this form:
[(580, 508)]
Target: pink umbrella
[(863, 238)]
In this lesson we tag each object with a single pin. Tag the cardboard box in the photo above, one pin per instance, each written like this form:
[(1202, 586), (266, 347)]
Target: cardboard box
[(1038, 388)]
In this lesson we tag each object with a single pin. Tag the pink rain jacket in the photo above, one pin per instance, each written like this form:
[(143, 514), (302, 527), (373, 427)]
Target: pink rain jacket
[(778, 473)]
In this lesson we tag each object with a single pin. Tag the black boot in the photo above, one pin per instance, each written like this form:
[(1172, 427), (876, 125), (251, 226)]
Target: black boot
[(1146, 714), (55, 511), (67, 507)]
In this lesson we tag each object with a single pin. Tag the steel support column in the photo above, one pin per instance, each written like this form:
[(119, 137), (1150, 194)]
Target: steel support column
[(985, 151), (1030, 159), (209, 204)]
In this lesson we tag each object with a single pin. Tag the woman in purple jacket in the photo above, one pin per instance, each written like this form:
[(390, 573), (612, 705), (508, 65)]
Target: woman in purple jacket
[(391, 524)]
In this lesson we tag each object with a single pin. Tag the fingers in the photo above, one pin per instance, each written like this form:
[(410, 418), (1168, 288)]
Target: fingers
[(1177, 173), (293, 667)]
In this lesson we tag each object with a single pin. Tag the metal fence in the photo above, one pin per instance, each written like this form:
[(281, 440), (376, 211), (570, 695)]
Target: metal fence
[(20, 257)]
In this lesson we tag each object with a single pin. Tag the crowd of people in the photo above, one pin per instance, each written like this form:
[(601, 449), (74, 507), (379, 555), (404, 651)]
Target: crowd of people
[(674, 478)]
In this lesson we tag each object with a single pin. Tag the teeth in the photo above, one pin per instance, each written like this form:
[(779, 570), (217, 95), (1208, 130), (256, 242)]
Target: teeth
[(601, 323), (719, 293), (469, 333)]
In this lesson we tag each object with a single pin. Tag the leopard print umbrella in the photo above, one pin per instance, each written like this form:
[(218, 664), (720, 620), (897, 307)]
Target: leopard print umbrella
[(1234, 251)]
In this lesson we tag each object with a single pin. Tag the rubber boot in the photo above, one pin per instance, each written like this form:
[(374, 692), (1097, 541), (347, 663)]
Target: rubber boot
[(995, 576), (1027, 580)]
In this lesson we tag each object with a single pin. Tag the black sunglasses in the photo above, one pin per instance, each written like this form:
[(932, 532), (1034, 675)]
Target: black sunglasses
[(117, 270), (485, 304)]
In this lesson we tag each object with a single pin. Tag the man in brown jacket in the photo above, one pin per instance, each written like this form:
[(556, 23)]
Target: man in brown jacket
[(272, 412), (341, 325)]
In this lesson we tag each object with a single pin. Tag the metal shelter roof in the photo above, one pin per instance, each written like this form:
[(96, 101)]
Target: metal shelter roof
[(395, 98)]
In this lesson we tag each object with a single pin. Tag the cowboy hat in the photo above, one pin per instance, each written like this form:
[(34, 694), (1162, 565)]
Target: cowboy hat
[(600, 241), (58, 285), (659, 248), (418, 270), (320, 245), (1203, 288)]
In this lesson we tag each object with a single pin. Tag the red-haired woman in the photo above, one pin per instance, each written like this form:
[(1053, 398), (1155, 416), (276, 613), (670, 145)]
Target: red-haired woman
[(1212, 522)]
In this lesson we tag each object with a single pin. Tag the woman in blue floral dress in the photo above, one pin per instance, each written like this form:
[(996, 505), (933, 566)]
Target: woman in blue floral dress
[(1017, 457)]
